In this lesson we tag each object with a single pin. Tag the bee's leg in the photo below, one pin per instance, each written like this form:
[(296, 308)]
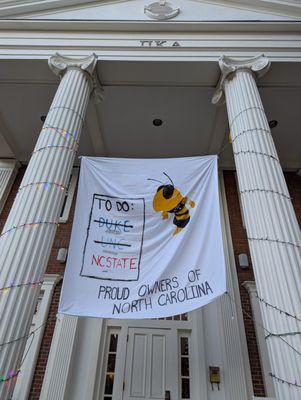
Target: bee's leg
[(191, 203), (164, 215), (177, 231)]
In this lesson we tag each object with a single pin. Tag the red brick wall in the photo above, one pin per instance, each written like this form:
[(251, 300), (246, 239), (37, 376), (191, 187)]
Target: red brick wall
[(240, 246)]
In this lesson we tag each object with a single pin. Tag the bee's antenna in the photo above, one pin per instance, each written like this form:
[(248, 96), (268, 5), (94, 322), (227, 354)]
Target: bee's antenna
[(155, 180), (169, 178)]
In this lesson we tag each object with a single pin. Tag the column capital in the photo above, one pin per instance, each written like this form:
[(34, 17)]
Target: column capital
[(258, 65), (59, 64)]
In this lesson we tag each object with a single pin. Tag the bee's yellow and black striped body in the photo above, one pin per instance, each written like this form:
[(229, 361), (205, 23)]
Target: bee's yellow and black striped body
[(167, 200)]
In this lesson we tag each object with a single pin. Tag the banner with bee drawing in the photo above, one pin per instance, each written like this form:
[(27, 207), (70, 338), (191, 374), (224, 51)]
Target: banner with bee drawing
[(146, 239)]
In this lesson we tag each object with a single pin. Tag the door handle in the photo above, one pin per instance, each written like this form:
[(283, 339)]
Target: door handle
[(167, 395)]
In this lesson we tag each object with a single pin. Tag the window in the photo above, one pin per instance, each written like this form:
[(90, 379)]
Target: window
[(179, 317), (69, 194), (184, 367), (110, 367)]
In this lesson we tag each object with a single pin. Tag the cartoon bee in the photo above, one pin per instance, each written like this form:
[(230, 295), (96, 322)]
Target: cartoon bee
[(169, 199)]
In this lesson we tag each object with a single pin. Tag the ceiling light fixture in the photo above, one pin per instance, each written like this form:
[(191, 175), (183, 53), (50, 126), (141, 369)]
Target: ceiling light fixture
[(273, 123), (157, 122)]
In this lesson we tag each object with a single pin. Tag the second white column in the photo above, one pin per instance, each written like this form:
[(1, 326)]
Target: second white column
[(272, 228)]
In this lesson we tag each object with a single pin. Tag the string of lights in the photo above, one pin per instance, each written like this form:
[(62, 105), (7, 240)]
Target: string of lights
[(33, 285), (257, 130), (281, 380), (281, 311), (264, 328), (275, 241), (282, 334), (265, 191), (256, 153), (44, 185), (61, 131), (69, 109), (245, 110), (12, 375), (54, 146), (29, 334), (29, 225)]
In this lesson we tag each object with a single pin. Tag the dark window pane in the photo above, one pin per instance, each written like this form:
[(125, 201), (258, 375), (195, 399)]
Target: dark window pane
[(109, 384), (107, 398), (113, 342), (177, 317), (185, 366), (111, 363), (63, 206), (184, 317), (184, 346), (185, 388)]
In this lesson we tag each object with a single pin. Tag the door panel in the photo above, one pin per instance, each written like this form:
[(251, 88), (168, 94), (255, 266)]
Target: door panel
[(138, 365), (158, 365), (150, 369)]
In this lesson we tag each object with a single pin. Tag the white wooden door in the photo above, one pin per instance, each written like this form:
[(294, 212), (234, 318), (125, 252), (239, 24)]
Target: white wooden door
[(151, 370)]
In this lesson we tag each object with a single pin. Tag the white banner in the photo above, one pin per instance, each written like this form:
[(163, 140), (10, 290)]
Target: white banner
[(146, 239)]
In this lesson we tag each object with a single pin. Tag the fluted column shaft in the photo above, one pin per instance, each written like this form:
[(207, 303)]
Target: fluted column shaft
[(28, 234), (272, 228)]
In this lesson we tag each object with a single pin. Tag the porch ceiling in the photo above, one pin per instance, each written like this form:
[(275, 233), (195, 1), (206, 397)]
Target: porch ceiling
[(135, 93)]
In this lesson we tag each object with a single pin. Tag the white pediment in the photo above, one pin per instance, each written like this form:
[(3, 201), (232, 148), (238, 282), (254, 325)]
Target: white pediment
[(133, 10)]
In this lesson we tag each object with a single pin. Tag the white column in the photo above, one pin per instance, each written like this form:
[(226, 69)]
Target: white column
[(272, 228), (73, 366), (24, 248), (59, 365)]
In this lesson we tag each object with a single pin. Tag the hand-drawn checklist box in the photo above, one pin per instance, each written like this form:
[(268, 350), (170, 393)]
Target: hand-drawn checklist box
[(114, 239)]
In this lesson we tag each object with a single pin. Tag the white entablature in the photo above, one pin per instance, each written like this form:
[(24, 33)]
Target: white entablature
[(194, 10)]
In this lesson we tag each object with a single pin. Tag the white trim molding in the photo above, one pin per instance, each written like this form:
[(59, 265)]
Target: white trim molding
[(73, 364), (10, 8), (142, 40), (237, 356), (264, 398)]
